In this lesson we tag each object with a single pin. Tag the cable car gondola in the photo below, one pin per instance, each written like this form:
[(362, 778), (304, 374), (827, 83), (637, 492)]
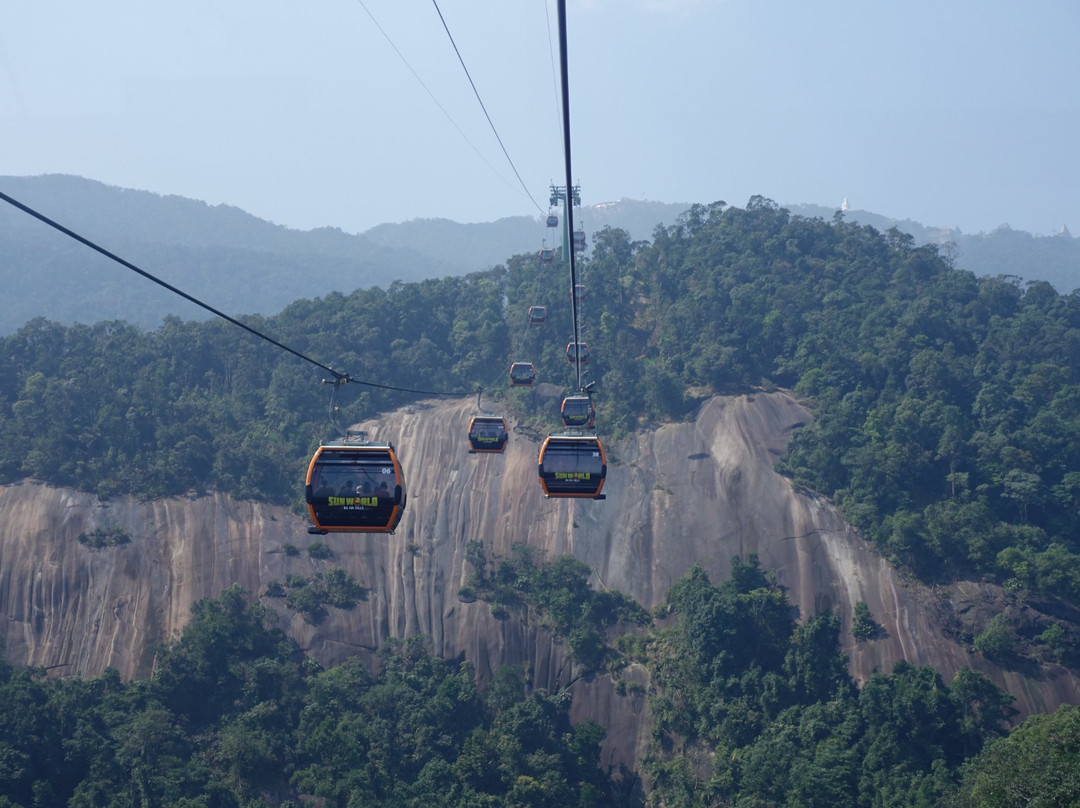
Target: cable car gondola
[(537, 315), (578, 411), (579, 239), (552, 220), (487, 433), (522, 374), (547, 256), (355, 487), (572, 466), (577, 352)]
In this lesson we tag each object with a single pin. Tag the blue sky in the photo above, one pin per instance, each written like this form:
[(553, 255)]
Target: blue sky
[(961, 113)]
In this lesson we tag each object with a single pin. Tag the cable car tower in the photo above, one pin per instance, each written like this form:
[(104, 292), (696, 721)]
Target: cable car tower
[(560, 194)]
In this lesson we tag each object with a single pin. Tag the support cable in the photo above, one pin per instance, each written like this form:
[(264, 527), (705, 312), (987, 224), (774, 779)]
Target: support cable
[(554, 70), (564, 71), (481, 101), (431, 95)]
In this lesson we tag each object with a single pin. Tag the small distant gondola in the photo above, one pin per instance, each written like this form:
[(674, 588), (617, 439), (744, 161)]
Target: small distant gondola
[(579, 239), (577, 352), (552, 220), (546, 256), (355, 488), (581, 291), (578, 411), (572, 466), (537, 315), (522, 374), (487, 433)]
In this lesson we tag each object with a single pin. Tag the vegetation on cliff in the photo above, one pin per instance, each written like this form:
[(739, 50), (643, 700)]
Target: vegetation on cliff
[(558, 593), (235, 716), (755, 709)]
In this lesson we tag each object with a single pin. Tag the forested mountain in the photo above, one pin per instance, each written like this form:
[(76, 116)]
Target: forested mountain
[(946, 425), (1001, 252), (244, 265)]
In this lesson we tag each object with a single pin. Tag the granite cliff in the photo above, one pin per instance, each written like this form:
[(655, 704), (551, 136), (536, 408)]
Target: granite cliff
[(697, 492)]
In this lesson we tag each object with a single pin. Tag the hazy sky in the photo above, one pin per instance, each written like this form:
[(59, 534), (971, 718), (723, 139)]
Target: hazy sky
[(959, 113)]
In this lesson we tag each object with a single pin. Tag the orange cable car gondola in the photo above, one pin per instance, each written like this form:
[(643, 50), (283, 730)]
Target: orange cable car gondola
[(522, 374), (572, 466), (547, 256), (577, 352), (355, 487), (487, 433), (578, 411), (537, 315)]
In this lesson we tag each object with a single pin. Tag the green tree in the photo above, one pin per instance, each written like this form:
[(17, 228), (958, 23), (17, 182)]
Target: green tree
[(1037, 765), (996, 639)]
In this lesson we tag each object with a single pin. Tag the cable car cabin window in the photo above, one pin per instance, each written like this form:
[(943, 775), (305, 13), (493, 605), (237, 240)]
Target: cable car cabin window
[(522, 373), (355, 488), (572, 466), (487, 434), (537, 315), (578, 411), (577, 352)]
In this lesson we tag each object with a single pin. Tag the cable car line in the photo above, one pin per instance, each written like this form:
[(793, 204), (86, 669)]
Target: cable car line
[(338, 376), (481, 102), (453, 123), (551, 53), (564, 71)]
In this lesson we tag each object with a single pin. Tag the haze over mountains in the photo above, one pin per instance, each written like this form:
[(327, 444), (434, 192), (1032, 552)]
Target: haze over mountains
[(241, 264)]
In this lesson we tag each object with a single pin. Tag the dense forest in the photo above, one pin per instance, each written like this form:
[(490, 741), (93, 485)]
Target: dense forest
[(752, 709)]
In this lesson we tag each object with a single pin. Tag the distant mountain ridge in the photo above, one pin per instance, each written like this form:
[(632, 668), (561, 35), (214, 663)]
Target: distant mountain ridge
[(230, 259), (1003, 251), (485, 244), (241, 264)]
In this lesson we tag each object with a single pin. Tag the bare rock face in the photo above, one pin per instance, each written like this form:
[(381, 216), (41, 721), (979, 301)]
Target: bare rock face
[(698, 492)]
